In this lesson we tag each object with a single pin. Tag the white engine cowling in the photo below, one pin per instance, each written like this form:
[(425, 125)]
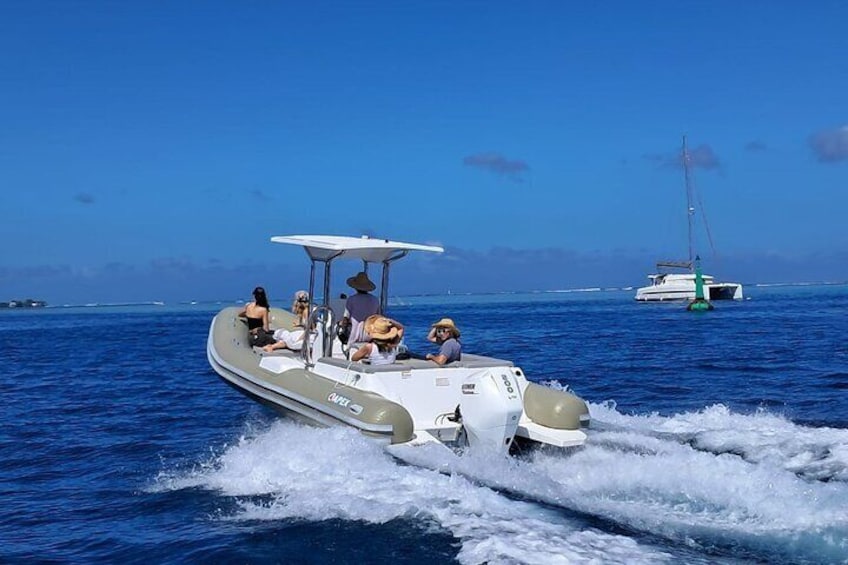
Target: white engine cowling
[(491, 408)]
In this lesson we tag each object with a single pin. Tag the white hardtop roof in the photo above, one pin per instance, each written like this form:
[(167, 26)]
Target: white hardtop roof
[(678, 276), (324, 247)]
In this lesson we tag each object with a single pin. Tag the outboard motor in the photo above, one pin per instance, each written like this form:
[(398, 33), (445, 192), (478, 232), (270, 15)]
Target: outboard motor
[(491, 408)]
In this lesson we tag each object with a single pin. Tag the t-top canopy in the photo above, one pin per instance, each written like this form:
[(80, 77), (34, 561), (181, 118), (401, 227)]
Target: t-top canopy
[(328, 247)]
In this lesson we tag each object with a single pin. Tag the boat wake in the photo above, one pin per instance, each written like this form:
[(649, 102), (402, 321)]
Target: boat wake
[(294, 473), (762, 438), (708, 486)]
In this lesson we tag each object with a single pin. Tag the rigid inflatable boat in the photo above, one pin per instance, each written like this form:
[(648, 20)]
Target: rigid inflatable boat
[(478, 401)]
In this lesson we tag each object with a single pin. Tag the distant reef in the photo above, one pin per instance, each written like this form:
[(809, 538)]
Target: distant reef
[(28, 303)]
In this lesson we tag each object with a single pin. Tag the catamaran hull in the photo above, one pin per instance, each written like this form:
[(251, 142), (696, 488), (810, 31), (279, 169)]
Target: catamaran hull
[(664, 293)]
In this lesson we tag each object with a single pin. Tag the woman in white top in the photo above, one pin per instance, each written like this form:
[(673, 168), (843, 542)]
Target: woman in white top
[(385, 335), (293, 338)]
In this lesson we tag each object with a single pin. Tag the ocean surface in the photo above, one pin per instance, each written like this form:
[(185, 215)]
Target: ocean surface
[(717, 437)]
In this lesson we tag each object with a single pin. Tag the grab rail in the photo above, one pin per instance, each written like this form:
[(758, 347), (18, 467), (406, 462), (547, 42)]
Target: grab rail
[(321, 319)]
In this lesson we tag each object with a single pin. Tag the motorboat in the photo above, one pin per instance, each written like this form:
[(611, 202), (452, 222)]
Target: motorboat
[(681, 285), (478, 402)]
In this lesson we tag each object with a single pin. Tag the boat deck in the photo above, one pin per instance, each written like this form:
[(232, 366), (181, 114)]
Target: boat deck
[(468, 361)]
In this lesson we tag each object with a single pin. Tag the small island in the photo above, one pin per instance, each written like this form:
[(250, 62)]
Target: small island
[(28, 303)]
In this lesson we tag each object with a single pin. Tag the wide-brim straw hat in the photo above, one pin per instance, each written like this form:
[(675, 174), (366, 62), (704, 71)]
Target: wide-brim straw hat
[(447, 323), (381, 328), (361, 282), (301, 295)]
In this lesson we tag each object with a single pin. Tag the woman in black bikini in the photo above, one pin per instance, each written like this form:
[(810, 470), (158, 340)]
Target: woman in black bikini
[(258, 319)]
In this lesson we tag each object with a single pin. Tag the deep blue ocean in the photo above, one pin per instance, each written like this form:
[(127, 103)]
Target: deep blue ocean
[(717, 437)]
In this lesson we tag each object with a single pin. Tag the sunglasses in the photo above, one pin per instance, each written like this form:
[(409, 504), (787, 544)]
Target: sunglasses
[(443, 330)]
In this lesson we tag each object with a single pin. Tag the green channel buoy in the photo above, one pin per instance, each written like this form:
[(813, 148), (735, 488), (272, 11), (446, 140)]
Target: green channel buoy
[(700, 304)]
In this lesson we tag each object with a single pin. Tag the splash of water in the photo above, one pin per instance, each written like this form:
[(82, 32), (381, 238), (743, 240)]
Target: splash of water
[(290, 472), (713, 483)]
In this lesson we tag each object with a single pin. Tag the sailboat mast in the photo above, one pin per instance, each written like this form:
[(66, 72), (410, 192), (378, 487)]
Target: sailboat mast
[(690, 210)]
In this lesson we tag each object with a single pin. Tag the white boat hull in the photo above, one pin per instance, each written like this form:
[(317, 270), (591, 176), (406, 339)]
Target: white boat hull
[(668, 287)]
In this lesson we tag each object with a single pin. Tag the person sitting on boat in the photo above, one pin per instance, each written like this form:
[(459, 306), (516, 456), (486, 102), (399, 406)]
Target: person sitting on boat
[(288, 339), (300, 307), (382, 349), (258, 319), (292, 338), (359, 306), (446, 334)]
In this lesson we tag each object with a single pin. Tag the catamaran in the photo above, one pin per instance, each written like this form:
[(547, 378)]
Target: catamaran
[(681, 286), (477, 402)]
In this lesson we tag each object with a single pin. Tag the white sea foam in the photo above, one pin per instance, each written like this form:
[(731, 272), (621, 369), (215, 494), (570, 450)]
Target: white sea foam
[(715, 477), (764, 438), (711, 479), (319, 474)]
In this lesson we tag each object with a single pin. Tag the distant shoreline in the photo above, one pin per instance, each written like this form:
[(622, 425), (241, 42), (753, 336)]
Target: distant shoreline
[(28, 303), (398, 300)]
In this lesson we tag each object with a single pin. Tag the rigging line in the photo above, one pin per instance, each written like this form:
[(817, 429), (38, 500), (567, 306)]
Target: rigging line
[(692, 191), (690, 211), (706, 225)]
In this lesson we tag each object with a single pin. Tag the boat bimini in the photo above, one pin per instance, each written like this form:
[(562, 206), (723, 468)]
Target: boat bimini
[(477, 401)]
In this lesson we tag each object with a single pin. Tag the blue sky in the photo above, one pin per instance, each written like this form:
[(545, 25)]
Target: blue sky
[(149, 150)]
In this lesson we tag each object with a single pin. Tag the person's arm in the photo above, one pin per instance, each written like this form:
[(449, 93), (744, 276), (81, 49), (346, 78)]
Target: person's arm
[(399, 327), (450, 351), (363, 351), (266, 320), (432, 335), (439, 359)]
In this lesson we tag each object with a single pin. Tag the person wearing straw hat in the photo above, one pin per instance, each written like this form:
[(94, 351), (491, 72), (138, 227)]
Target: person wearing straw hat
[(385, 335), (359, 306), (446, 334)]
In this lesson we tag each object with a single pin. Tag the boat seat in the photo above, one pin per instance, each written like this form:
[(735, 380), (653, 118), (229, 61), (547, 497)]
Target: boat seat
[(468, 361), (472, 361)]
